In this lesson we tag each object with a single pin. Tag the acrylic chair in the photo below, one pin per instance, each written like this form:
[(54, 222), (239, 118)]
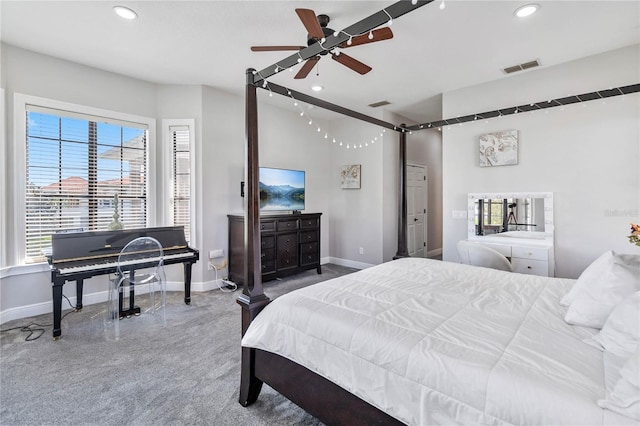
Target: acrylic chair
[(140, 264), (481, 255)]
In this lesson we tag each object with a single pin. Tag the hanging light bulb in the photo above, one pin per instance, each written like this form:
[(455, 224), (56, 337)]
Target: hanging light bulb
[(442, 6), (270, 94), (301, 113), (295, 104), (276, 69), (350, 40), (347, 146), (336, 33), (318, 129), (370, 35), (326, 136), (390, 23), (310, 122), (340, 143), (264, 84), (414, 2), (334, 140)]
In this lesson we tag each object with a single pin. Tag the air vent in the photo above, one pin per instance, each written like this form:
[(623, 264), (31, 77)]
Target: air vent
[(521, 67), (379, 104)]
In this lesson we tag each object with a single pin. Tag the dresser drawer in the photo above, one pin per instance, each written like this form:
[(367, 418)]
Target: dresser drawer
[(267, 225), (306, 248), (309, 258), (308, 236), (313, 222), (503, 249), (268, 242), (287, 224), (268, 266), (530, 267), (536, 253), (267, 254)]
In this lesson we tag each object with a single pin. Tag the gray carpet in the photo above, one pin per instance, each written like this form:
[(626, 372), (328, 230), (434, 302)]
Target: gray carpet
[(187, 373)]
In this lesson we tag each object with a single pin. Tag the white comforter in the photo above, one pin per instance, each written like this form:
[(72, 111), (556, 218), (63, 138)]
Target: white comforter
[(433, 342)]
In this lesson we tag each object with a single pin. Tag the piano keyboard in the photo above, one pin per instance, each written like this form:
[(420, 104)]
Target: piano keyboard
[(84, 268)]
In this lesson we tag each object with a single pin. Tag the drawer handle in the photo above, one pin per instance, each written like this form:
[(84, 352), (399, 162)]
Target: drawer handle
[(308, 237), (528, 267), (288, 240), (286, 251), (262, 227), (263, 255)]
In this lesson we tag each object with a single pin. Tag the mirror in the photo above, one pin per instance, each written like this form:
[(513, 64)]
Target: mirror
[(524, 215)]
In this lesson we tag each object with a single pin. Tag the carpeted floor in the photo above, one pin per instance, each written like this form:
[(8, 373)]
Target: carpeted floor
[(187, 373)]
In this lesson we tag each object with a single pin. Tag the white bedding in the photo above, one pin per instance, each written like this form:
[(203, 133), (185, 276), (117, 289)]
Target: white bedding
[(433, 342)]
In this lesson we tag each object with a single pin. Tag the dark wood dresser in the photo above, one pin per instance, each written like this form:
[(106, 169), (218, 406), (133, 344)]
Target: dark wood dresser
[(290, 244)]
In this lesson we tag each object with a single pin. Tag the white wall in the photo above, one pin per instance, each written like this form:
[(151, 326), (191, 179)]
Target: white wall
[(586, 154), (285, 141)]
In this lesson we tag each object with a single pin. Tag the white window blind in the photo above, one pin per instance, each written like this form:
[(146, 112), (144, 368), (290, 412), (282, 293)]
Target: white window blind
[(75, 165), (181, 177)]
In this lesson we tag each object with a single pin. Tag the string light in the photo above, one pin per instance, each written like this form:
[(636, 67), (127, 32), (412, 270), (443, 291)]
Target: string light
[(370, 35), (299, 57)]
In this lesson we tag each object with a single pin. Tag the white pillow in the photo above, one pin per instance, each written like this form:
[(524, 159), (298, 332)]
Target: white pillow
[(625, 396), (590, 276), (604, 284), (621, 332), (597, 269)]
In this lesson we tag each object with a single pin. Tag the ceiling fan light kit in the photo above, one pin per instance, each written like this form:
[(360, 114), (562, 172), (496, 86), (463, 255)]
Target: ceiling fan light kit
[(318, 33)]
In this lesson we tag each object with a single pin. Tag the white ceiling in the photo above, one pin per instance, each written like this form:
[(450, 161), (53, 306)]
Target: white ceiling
[(433, 50)]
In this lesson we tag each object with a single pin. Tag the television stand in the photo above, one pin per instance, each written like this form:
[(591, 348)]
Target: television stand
[(290, 244)]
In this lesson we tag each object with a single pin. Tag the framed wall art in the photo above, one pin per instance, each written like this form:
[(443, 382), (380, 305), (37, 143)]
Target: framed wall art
[(499, 148), (350, 176)]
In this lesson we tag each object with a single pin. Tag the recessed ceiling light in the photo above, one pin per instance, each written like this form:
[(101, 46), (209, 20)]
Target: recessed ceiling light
[(125, 12), (317, 88), (526, 10)]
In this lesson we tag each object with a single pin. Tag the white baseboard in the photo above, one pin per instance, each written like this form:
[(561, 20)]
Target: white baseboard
[(93, 298), (349, 263), (436, 252)]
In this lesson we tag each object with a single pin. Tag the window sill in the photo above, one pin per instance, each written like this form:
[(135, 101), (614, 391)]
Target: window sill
[(35, 268)]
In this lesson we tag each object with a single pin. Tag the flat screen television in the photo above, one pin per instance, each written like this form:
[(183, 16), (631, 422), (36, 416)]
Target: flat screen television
[(281, 189)]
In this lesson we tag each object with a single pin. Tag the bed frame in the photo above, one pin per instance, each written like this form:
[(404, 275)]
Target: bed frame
[(318, 396)]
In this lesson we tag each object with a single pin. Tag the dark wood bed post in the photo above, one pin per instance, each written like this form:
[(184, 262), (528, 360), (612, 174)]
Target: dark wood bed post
[(252, 300), (402, 205)]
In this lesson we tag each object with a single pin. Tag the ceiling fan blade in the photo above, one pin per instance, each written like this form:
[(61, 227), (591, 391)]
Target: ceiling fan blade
[(307, 67), (378, 35), (274, 48), (352, 63), (310, 22)]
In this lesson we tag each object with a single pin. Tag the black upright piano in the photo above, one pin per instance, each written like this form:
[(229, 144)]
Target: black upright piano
[(76, 256)]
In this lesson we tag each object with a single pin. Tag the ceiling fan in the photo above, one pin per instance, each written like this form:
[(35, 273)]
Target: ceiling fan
[(317, 30)]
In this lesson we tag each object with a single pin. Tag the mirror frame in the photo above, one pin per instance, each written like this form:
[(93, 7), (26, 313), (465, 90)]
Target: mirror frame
[(475, 196)]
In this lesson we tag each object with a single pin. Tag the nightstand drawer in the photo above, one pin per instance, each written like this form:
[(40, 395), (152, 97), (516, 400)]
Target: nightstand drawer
[(268, 266), (309, 258), (530, 267), (536, 253)]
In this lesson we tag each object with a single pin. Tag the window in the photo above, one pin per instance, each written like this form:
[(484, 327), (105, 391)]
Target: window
[(76, 164), (180, 140)]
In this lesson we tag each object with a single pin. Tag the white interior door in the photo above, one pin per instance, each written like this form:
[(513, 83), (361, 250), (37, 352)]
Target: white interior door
[(417, 210)]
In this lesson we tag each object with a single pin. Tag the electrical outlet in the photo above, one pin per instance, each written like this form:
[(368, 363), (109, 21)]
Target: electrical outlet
[(361, 250), (214, 254)]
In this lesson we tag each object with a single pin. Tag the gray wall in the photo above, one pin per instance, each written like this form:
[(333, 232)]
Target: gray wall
[(586, 154)]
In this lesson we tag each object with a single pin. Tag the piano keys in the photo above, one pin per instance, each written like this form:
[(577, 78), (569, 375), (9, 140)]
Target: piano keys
[(80, 255)]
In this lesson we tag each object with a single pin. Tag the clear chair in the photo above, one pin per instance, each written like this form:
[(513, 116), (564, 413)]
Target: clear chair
[(141, 266), (480, 255)]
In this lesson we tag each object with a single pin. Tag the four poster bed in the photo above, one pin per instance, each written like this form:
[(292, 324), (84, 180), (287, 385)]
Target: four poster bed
[(414, 341)]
